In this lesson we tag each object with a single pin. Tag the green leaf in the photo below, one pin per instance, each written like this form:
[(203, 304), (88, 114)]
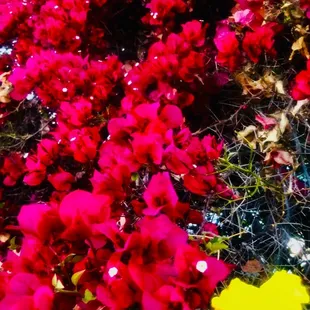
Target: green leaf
[(57, 283), (134, 177), (88, 296), (13, 246), (72, 258), (216, 244), (54, 280), (76, 277)]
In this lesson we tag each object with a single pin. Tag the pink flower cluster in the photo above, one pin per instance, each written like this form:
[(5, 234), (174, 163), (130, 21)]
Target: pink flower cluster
[(232, 53), (153, 265), (301, 87), (52, 24), (126, 134), (118, 155)]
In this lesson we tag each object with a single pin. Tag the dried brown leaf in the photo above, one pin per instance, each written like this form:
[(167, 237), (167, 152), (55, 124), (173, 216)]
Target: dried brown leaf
[(252, 266), (248, 135), (5, 88)]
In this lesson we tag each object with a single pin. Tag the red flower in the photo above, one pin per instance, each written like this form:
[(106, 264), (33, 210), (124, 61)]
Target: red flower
[(172, 116), (36, 171), (164, 66), (210, 228), (160, 195), (163, 10), (301, 87), (31, 293), (38, 220), (99, 2), (203, 151), (147, 148), (192, 66), (305, 5), (112, 182), (47, 151), (253, 5), (222, 190), (194, 217), (77, 113), (177, 44), (262, 39), (177, 160), (197, 270), (83, 143), (229, 54), (182, 138), (121, 127), (112, 154), (61, 180), (212, 148), (149, 253), (160, 230), (184, 99), (79, 210), (146, 113), (109, 294), (13, 167), (50, 23), (201, 180), (194, 33), (22, 84)]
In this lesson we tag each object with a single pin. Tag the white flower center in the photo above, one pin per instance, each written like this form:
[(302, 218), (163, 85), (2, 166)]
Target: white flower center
[(202, 266), (113, 272)]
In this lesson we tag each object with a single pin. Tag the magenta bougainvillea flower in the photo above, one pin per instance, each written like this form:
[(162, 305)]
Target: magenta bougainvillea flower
[(301, 87), (12, 169), (107, 183), (229, 54), (262, 39)]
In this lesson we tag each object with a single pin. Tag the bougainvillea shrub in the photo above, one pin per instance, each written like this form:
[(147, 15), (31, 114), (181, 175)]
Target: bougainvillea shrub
[(151, 151)]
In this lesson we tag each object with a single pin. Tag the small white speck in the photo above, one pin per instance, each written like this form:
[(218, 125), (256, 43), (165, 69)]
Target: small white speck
[(113, 272), (30, 96), (295, 246), (202, 266)]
